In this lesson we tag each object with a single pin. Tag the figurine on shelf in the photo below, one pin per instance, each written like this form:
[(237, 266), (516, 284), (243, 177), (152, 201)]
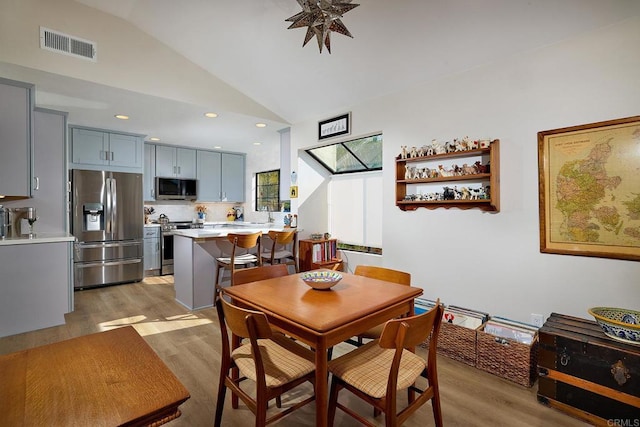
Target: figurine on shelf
[(408, 171), (403, 152), (448, 193), (413, 152), (484, 143)]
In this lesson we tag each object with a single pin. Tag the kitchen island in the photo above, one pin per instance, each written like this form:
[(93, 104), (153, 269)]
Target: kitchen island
[(194, 257), (36, 287)]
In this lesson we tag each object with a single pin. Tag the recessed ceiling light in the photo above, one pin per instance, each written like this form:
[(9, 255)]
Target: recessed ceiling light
[(211, 115), (257, 143), (153, 138), (261, 125), (121, 117), (218, 146)]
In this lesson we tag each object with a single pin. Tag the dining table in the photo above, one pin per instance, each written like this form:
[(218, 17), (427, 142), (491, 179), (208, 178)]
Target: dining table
[(110, 378), (325, 318)]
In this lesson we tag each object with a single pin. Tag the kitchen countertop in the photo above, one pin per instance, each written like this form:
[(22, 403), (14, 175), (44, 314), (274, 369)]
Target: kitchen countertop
[(222, 229), (38, 238)]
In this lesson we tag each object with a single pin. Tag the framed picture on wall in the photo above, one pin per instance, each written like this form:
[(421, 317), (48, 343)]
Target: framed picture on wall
[(589, 194), (335, 126)]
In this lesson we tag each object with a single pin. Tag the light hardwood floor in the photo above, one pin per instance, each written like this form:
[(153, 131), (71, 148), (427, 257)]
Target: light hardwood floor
[(188, 342)]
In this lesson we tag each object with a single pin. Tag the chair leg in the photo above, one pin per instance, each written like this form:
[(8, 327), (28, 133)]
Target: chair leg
[(222, 389), (435, 403), (333, 402)]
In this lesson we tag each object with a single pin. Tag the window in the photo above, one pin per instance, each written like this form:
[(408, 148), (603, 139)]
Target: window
[(268, 191), (357, 155), (355, 211)]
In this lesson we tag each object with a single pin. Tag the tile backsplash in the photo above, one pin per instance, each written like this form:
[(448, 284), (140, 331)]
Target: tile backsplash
[(186, 211)]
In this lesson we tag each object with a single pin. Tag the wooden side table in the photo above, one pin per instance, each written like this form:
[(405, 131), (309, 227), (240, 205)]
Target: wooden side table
[(104, 379)]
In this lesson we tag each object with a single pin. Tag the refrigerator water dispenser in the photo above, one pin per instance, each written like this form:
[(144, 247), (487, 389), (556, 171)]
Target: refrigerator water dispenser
[(93, 214)]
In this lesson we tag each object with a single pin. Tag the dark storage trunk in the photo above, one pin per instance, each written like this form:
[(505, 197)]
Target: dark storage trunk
[(585, 373)]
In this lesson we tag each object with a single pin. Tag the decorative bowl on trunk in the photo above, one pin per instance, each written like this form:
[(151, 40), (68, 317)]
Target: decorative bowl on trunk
[(618, 323), (321, 280)]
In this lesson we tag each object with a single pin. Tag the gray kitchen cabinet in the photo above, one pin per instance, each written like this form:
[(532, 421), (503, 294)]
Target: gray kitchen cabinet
[(97, 149), (49, 177), (175, 162), (148, 178), (152, 260), (16, 106), (37, 288), (209, 176), (233, 177), (220, 176)]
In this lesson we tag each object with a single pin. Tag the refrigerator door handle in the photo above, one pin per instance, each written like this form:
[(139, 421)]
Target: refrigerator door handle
[(114, 206), (108, 213)]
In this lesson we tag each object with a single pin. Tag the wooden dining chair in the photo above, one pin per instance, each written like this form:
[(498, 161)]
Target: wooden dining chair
[(240, 255), (274, 363), (264, 272), (378, 370), (283, 248), (380, 273)]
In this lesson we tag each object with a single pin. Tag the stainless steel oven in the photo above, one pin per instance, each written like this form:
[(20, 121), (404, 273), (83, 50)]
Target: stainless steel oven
[(167, 251), (167, 230)]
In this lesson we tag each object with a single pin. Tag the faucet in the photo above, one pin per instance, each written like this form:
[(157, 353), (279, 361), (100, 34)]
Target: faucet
[(270, 217)]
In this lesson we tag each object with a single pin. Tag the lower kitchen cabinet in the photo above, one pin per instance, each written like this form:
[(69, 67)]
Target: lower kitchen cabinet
[(152, 260), (37, 288)]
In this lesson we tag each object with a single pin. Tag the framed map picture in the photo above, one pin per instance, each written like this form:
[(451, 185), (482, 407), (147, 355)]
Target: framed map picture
[(589, 182)]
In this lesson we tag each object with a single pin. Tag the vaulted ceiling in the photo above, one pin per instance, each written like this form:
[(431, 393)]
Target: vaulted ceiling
[(396, 45)]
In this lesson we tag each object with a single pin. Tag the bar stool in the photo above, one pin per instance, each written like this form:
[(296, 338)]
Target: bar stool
[(278, 253), (242, 242)]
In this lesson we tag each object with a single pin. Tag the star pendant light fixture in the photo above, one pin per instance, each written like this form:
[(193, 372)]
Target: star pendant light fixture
[(321, 17)]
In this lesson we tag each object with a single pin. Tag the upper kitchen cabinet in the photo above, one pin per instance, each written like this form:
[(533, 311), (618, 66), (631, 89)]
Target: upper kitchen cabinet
[(16, 107), (96, 150), (220, 176), (175, 162), (149, 177), (233, 177), (209, 176)]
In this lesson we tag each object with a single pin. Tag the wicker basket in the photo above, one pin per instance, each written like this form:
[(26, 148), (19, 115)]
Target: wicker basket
[(507, 358), (456, 342)]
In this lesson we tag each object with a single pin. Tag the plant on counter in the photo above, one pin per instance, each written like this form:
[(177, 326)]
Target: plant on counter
[(148, 210), (201, 209)]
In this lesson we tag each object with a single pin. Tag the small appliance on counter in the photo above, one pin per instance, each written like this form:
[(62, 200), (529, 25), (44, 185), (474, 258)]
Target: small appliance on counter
[(17, 222), (5, 223)]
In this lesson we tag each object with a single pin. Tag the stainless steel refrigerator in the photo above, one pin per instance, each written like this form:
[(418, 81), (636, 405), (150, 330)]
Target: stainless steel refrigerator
[(108, 222)]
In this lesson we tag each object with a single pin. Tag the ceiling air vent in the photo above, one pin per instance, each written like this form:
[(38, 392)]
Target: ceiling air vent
[(56, 41)]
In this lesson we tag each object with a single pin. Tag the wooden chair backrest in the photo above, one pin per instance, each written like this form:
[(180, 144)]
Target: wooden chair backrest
[(415, 329), (381, 273), (282, 237), (245, 240), (238, 320), (254, 274)]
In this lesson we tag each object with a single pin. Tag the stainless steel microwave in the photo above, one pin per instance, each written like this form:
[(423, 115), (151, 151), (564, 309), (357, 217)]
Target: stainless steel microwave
[(176, 189)]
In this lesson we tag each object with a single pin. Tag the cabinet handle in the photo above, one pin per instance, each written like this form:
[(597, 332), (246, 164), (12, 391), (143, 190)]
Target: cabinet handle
[(37, 183), (174, 170), (111, 155), (179, 172)]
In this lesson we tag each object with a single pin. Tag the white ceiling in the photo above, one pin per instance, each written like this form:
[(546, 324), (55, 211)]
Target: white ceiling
[(397, 44)]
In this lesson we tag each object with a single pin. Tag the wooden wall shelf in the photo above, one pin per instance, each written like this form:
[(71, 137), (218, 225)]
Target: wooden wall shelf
[(407, 187)]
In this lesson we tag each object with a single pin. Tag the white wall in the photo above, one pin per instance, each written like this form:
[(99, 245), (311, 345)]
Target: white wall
[(488, 261)]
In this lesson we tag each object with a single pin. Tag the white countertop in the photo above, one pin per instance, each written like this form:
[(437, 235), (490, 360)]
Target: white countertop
[(217, 230), (38, 238)]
